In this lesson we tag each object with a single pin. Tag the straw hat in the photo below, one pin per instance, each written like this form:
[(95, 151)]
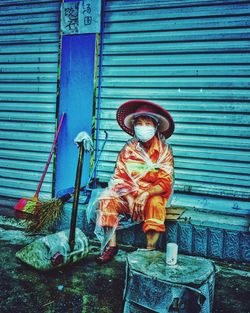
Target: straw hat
[(131, 109)]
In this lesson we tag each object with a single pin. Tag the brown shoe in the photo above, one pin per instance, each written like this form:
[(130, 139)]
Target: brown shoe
[(107, 255)]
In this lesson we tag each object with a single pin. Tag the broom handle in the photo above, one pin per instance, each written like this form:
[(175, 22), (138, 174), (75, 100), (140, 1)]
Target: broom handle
[(76, 197), (49, 158)]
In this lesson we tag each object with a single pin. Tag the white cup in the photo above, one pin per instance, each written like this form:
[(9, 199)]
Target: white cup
[(171, 254)]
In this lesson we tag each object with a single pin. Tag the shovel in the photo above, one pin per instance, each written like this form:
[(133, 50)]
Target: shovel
[(64, 247)]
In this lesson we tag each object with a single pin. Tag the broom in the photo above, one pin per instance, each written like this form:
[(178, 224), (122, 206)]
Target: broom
[(28, 205), (58, 249), (48, 212)]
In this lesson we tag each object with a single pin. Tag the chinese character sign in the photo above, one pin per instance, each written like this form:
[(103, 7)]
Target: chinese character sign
[(69, 18), (82, 17)]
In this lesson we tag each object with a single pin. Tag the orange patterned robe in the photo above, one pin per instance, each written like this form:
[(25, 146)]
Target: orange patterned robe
[(136, 171)]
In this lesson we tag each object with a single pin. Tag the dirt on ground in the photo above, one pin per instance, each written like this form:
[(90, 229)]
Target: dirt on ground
[(91, 288)]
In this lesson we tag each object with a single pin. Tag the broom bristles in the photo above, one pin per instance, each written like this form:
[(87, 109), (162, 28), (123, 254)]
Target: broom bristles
[(45, 215)]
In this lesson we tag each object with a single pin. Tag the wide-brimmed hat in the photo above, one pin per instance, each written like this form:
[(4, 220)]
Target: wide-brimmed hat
[(131, 109)]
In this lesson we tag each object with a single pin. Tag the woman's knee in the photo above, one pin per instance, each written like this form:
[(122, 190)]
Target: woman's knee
[(156, 208), (156, 202)]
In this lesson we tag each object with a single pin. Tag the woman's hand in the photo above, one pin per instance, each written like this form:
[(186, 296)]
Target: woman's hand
[(130, 201), (139, 205)]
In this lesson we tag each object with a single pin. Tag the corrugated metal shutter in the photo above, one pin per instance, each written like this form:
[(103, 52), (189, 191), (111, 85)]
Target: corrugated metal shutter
[(192, 57), (29, 43)]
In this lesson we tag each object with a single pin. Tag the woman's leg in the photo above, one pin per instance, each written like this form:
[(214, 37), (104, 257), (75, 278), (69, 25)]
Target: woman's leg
[(108, 222), (154, 222), (152, 237)]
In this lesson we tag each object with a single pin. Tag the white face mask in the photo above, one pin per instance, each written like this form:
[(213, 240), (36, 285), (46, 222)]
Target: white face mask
[(144, 132)]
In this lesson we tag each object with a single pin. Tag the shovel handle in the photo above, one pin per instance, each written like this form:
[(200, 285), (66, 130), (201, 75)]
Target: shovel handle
[(76, 198)]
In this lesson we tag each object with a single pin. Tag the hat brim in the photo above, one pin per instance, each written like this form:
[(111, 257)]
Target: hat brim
[(126, 114)]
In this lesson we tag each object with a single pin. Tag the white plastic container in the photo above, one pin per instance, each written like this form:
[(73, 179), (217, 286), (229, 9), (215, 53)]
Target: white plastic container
[(171, 253)]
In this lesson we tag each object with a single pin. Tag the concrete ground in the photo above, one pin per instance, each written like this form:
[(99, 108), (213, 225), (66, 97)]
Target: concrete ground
[(88, 287)]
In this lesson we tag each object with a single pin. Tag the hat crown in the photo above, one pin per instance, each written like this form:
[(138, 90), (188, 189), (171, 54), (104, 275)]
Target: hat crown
[(145, 109)]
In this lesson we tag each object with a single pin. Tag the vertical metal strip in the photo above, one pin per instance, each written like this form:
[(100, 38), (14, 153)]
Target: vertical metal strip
[(99, 89)]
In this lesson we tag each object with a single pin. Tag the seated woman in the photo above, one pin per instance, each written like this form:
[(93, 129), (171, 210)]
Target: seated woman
[(142, 181)]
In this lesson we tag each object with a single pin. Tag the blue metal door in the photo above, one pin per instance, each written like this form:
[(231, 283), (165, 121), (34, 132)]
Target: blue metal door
[(76, 100)]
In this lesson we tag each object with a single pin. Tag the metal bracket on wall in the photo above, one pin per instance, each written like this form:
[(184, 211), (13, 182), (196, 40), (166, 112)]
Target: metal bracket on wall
[(81, 17)]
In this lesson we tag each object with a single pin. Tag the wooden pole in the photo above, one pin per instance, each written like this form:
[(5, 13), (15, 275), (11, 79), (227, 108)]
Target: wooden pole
[(76, 198)]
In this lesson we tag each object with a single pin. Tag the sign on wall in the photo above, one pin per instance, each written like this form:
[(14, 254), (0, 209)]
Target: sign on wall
[(81, 17)]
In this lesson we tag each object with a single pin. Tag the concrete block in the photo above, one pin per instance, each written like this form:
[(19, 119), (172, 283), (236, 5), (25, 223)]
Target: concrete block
[(200, 240), (215, 243), (162, 242), (231, 246), (126, 236), (185, 238), (140, 237), (245, 247), (198, 237), (172, 231)]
